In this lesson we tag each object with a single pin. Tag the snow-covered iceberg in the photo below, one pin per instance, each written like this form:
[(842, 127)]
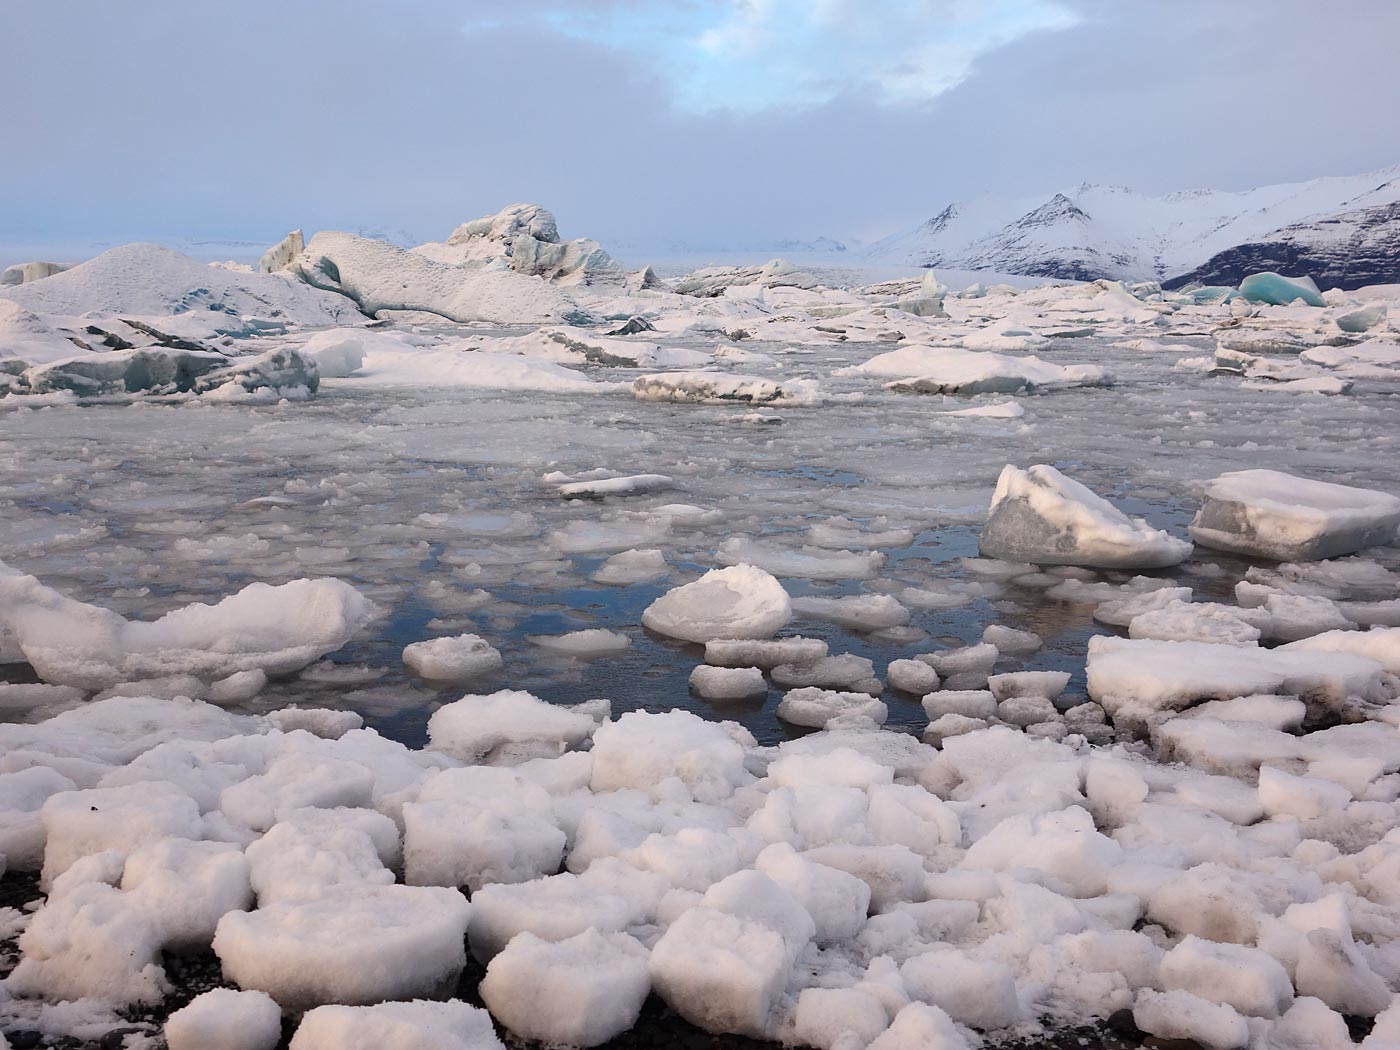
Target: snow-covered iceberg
[(1270, 514), (1042, 517)]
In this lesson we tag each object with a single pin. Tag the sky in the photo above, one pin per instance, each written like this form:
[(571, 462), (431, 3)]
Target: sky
[(661, 125)]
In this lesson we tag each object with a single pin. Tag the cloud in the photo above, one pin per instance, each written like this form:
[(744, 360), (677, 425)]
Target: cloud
[(751, 56)]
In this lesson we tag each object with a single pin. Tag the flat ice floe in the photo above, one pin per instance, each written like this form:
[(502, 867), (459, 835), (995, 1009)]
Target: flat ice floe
[(952, 370)]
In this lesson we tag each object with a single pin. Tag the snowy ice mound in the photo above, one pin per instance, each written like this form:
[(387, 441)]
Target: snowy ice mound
[(722, 388), (1269, 514), (148, 280), (1042, 517), (740, 601), (953, 370), (272, 629), (379, 276), (526, 238), (416, 1025)]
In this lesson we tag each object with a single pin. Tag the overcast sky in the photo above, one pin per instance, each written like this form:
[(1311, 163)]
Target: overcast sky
[(656, 122)]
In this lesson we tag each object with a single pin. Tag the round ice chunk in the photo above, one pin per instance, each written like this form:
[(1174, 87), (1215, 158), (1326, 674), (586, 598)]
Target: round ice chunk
[(737, 602), (224, 1019), (79, 823), (474, 727), (577, 992), (452, 659), (820, 707), (912, 676), (354, 945), (641, 749)]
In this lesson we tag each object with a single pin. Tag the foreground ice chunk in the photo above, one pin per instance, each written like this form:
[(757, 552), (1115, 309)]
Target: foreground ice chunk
[(416, 1025), (475, 727), (273, 629), (1042, 517), (721, 972), (1181, 1015), (830, 1018), (581, 991), (452, 659), (920, 1026), (740, 601), (979, 994), (640, 750), (355, 945), (1251, 981), (81, 823), (720, 388), (1331, 968), (224, 1019), (1269, 514)]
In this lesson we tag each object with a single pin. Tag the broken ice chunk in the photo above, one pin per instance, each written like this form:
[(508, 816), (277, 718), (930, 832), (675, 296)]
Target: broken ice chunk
[(740, 601), (727, 683), (1041, 516), (1269, 514), (818, 708), (452, 659)]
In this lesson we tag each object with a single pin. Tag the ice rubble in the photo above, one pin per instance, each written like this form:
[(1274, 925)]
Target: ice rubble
[(1040, 516), (1269, 514)]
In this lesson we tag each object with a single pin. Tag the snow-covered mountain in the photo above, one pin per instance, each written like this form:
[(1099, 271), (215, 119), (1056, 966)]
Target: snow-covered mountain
[(1347, 228)]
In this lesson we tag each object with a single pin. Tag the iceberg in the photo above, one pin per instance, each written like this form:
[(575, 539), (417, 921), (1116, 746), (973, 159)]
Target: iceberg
[(953, 370), (1270, 514), (1042, 517), (1276, 290)]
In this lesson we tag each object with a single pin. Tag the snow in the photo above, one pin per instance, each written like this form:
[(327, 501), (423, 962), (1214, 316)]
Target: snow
[(1041, 516), (1270, 514), (355, 945), (740, 601)]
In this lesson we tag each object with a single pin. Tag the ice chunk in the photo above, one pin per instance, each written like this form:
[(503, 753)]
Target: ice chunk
[(641, 749), (920, 1026), (723, 388), (416, 1025), (746, 652), (80, 823), (811, 706), (809, 563), (721, 972), (836, 900), (1379, 643), (949, 370), (186, 887), (1041, 516), (1179, 621), (1181, 1015), (1331, 968), (581, 991), (632, 485), (274, 629), (978, 994), (727, 683), (1247, 979), (846, 671), (857, 612), (634, 566), (912, 676), (1269, 514), (297, 861), (740, 601), (1286, 795), (1046, 684), (22, 794), (354, 945), (1010, 640), (452, 659), (1276, 290), (224, 1019), (507, 724), (835, 1018), (583, 645)]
